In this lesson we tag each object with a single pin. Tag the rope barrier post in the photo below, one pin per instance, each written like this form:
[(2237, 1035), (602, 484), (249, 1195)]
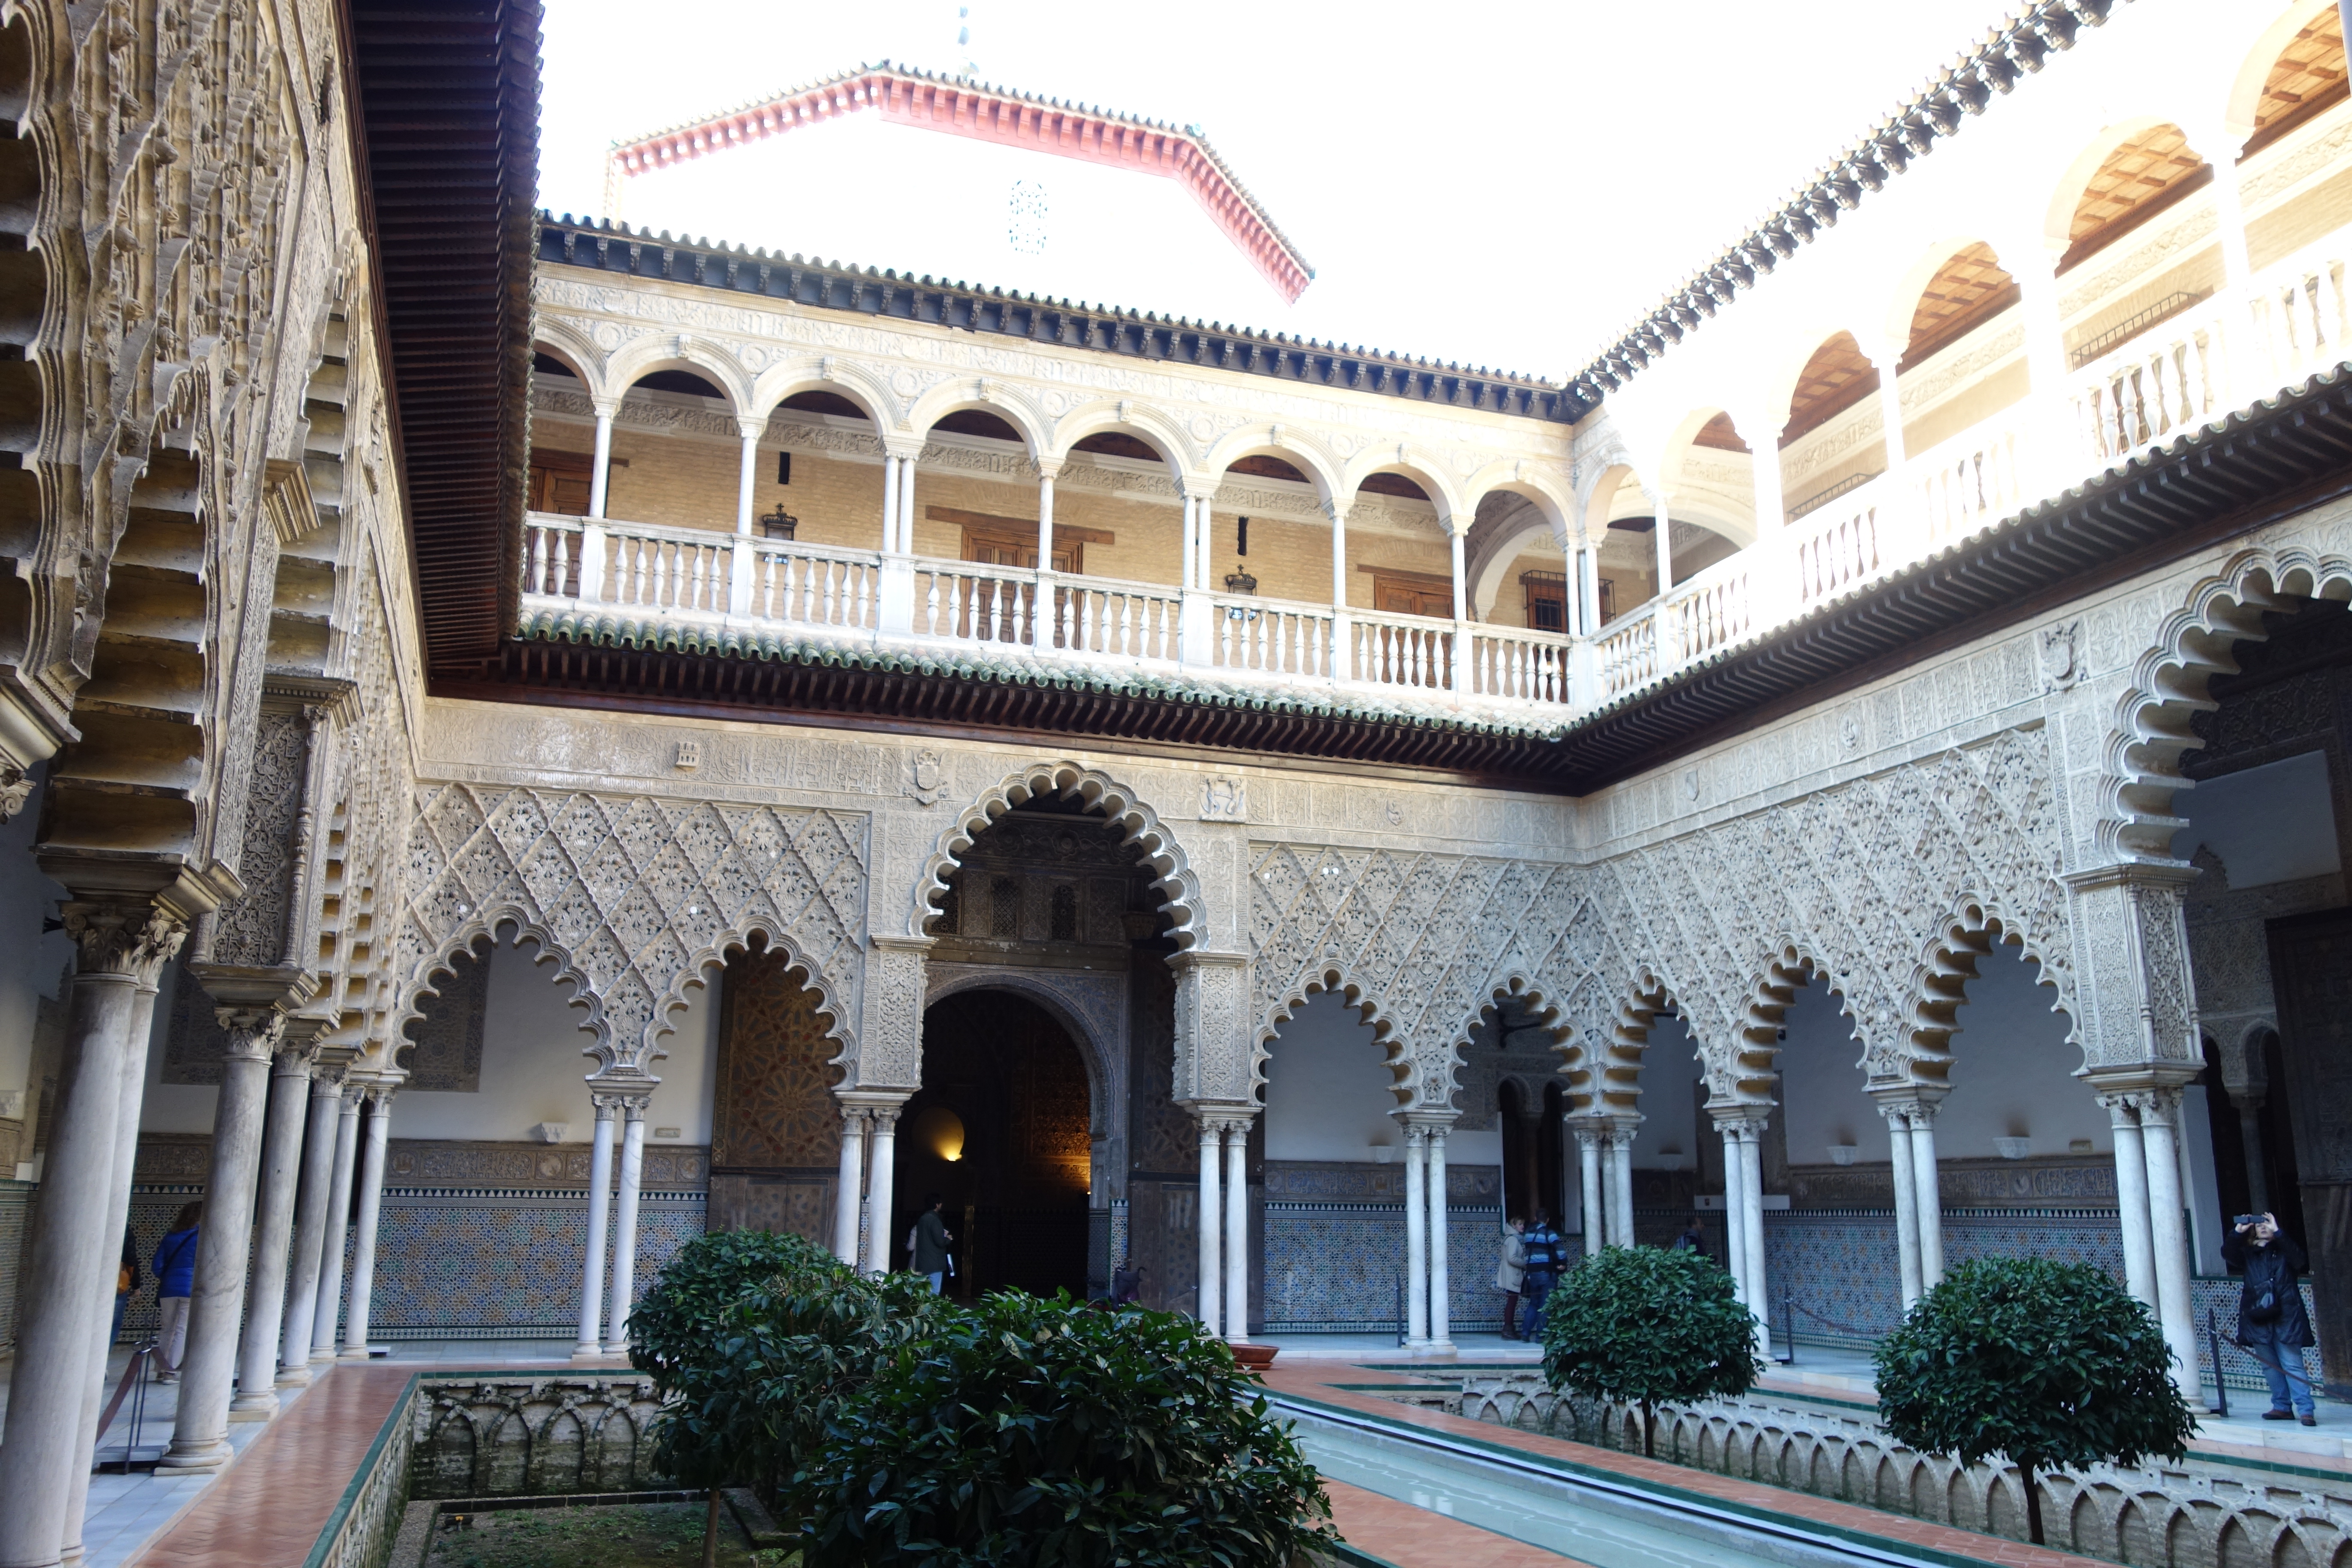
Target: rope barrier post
[(1789, 1322), (2221, 1389)]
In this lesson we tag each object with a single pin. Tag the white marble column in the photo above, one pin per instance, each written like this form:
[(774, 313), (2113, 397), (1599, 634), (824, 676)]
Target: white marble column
[(1927, 1193), (70, 1262), (1190, 575), (273, 1233), (1751, 1218), (1441, 1315), (1906, 1204), (1763, 435), (1205, 535), (907, 505), (890, 505), (1735, 1219), (1236, 1250), (1592, 588), (2159, 1112), (849, 1190), (881, 1188), (590, 1342), (746, 475), (1588, 1181), (1461, 580), (599, 474), (624, 1224), (1043, 612), (217, 1297), (1416, 1236), (370, 1179), (130, 1094), (1620, 1187), (1339, 517), (318, 1173), (2229, 202), (1662, 539), (339, 1217), (2131, 1198), (1208, 1298)]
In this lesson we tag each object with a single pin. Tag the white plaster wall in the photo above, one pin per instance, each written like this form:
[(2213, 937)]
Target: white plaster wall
[(2271, 824), (2012, 1074), (1670, 1068), (1328, 1093), (30, 962), (534, 1069)]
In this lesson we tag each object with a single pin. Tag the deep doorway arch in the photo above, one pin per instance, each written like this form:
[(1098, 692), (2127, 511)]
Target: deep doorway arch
[(1014, 1162)]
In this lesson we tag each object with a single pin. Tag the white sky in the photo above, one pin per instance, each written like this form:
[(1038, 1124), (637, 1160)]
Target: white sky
[(1487, 180)]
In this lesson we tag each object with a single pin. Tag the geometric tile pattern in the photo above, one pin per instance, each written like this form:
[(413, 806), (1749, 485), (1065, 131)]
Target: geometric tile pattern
[(633, 896), (1338, 1268), (507, 1266)]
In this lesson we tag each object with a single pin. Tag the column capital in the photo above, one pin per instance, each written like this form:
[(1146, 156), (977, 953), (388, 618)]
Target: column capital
[(751, 426), (902, 446), (2166, 874), (1416, 1137), (354, 1090), (2140, 1077), (253, 1032), (1742, 1116), (1048, 468), (607, 405), (1336, 511), (132, 937), (630, 1096), (1201, 486)]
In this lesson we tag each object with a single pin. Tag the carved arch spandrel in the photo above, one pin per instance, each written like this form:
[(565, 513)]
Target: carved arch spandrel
[(634, 896), (1137, 820), (1332, 976), (1948, 963), (1755, 1053), (2151, 732)]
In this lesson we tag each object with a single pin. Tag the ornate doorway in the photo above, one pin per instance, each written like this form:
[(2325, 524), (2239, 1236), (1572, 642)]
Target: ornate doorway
[(1000, 1129)]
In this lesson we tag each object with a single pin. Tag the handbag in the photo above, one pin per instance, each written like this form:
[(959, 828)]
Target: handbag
[(2265, 1308)]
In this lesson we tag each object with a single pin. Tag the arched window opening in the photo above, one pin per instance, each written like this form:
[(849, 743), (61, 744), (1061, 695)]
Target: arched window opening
[(2306, 80), (2139, 181), (1968, 290), (1815, 468)]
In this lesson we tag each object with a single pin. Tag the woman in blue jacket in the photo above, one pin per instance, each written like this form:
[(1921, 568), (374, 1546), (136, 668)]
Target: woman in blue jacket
[(175, 1279)]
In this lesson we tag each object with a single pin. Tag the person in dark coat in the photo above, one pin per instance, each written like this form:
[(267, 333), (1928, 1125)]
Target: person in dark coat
[(2272, 1324), (931, 1243)]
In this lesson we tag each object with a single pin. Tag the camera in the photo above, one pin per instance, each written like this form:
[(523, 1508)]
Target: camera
[(2245, 1220)]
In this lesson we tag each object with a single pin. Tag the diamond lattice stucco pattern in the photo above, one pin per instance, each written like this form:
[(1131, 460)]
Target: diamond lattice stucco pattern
[(634, 896)]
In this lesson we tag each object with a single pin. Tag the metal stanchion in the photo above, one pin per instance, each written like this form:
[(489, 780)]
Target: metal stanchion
[(2221, 1389)]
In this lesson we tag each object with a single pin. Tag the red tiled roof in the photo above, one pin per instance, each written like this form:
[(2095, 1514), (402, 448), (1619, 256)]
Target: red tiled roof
[(989, 113)]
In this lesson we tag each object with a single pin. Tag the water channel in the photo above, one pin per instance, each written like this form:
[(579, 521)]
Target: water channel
[(1606, 1520)]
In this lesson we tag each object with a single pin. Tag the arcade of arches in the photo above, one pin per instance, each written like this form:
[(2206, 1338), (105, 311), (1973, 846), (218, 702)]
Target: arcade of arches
[(718, 740)]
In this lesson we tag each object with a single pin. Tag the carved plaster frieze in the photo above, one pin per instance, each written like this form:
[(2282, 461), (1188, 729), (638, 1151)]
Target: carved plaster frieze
[(633, 896)]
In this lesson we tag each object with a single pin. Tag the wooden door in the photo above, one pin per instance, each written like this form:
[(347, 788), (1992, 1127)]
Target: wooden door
[(1402, 596)]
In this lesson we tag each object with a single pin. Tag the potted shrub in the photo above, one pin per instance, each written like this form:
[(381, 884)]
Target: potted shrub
[(2052, 1364), (1040, 1431), (1646, 1327)]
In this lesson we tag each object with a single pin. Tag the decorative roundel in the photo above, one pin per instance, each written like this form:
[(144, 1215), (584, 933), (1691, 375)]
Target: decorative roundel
[(1025, 230)]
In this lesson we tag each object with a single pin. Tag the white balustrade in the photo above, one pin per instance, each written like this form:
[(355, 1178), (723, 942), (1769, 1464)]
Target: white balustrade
[(1402, 650), (967, 602), (1839, 548), (1511, 662), (2291, 322), (806, 585), (1273, 638), (551, 555), (1969, 481), (1116, 620)]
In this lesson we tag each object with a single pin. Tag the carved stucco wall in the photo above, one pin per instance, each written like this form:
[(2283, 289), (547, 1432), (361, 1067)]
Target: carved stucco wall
[(1862, 880), (634, 895)]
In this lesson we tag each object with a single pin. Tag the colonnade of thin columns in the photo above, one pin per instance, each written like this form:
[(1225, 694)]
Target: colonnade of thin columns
[(1197, 571), (619, 1140), (2150, 1196), (1221, 1295), (866, 1192)]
